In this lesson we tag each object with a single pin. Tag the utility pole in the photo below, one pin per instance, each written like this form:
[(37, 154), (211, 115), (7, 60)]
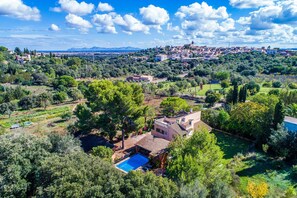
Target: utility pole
[(195, 92), (123, 132), (123, 139)]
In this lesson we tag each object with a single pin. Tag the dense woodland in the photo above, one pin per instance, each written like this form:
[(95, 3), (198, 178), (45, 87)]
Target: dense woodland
[(53, 165)]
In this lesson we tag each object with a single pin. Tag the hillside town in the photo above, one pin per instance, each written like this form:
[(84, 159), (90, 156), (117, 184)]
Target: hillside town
[(190, 51)]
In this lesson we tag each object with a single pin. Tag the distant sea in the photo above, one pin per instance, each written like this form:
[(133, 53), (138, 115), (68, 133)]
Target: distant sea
[(291, 49)]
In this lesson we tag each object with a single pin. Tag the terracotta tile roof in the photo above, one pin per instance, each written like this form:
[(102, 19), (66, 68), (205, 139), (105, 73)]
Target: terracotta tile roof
[(201, 125), (176, 127), (153, 144)]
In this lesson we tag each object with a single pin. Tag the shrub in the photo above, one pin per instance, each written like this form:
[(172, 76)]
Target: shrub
[(2, 130), (265, 147), (59, 97), (212, 98), (193, 190), (253, 87), (210, 116), (274, 92), (276, 84), (225, 84), (266, 84), (66, 116), (294, 170), (210, 91), (257, 190), (290, 192), (103, 152), (292, 85)]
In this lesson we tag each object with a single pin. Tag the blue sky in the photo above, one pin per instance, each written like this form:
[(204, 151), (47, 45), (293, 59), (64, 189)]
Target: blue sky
[(62, 24)]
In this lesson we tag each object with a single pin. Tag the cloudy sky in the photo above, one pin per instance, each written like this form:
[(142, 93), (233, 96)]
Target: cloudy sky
[(62, 24)]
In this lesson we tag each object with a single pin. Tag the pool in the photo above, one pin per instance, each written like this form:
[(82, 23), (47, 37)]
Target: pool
[(291, 126), (132, 163)]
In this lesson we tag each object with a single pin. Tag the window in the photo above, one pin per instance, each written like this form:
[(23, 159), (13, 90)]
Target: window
[(161, 131)]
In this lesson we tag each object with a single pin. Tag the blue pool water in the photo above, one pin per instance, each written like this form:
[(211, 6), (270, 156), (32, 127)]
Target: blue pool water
[(291, 126), (133, 163)]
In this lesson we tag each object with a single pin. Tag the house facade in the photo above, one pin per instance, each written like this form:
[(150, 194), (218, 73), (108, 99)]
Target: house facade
[(140, 78), (161, 57), (182, 125), (155, 143)]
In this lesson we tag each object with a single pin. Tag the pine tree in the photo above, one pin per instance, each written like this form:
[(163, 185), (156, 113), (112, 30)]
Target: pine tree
[(18, 51), (279, 114)]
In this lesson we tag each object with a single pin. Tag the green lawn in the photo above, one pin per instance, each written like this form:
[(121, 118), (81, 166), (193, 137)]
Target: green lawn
[(217, 87), (202, 92), (267, 89), (256, 166), (231, 145)]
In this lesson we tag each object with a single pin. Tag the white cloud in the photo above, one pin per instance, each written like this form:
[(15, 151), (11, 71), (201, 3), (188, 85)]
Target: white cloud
[(54, 28), (102, 19), (227, 25), (170, 27), (201, 11), (73, 7), (130, 24), (105, 7), (178, 37), (78, 22), (17, 9), (283, 12), (270, 24), (28, 36), (104, 23), (106, 29), (202, 20), (288, 12), (154, 16), (244, 20), (250, 3)]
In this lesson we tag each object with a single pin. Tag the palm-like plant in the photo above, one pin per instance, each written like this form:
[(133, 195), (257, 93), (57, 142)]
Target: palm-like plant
[(291, 110)]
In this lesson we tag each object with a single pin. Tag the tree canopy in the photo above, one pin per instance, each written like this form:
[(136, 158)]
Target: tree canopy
[(114, 106), (55, 166), (250, 119), (197, 157), (173, 105)]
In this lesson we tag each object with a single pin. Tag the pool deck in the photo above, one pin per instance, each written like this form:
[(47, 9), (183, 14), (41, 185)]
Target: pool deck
[(290, 120), (129, 143)]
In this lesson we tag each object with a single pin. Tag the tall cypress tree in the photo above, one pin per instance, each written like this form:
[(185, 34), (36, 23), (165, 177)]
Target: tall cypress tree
[(279, 114), (235, 94), (242, 94)]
